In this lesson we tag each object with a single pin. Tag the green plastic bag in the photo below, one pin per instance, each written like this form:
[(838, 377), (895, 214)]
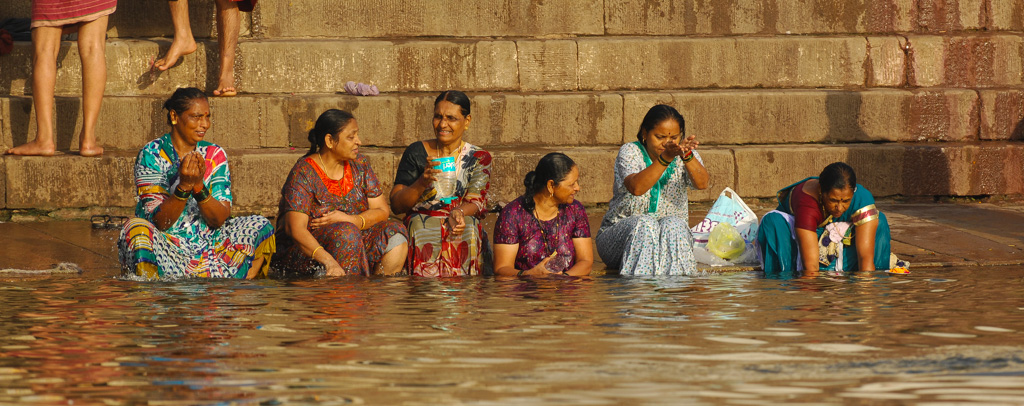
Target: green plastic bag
[(725, 242)]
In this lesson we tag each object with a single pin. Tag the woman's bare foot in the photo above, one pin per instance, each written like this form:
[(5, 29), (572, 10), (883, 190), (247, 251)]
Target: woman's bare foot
[(179, 48), (90, 150), (34, 148), (226, 87), (225, 92)]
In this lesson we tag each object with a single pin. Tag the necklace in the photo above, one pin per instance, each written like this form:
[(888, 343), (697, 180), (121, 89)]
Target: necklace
[(326, 171), (543, 233), (440, 147)]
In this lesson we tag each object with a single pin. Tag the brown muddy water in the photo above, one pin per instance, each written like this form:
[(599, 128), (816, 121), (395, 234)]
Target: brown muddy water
[(939, 336)]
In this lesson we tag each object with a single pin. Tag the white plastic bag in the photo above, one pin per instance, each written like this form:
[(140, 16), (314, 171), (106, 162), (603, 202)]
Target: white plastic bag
[(728, 208)]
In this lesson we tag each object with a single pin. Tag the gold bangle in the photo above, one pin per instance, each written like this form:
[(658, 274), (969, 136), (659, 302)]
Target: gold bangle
[(362, 221), (313, 255), (206, 199)]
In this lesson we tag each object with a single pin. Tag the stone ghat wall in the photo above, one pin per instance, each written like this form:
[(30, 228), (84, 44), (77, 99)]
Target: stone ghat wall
[(922, 97)]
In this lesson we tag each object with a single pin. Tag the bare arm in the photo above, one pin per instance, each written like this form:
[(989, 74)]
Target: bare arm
[(377, 212), (295, 226), (698, 174), (864, 240), (404, 198), (504, 259), (808, 244), (584, 257), (504, 262), (640, 182)]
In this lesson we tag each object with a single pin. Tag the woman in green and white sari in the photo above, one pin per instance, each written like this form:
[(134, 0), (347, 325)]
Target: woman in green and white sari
[(646, 229)]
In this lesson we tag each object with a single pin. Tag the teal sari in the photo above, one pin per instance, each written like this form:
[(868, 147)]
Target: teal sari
[(778, 248)]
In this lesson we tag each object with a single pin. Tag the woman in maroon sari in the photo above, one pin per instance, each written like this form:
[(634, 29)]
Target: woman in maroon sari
[(333, 217)]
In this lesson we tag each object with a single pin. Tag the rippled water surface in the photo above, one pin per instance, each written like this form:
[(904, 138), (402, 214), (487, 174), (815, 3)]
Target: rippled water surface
[(932, 337)]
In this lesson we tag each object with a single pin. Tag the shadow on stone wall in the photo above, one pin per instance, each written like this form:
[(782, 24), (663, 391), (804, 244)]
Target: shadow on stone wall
[(1018, 131), (843, 111), (926, 171)]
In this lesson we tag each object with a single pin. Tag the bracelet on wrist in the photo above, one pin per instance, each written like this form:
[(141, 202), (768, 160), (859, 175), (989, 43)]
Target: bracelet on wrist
[(202, 196), (663, 161), (688, 157), (362, 221), (181, 194), (313, 255)]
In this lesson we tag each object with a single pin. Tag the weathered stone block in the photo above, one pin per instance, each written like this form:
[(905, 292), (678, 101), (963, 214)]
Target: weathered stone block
[(233, 123), (596, 165), (888, 66), (1006, 15), (257, 178), (845, 16), (313, 66), (1002, 114), (386, 120), (690, 17), (125, 123), (47, 183), (762, 170), (805, 116), (721, 167), (128, 72), (906, 169), (564, 120), (721, 63), (947, 15), (497, 120), (457, 18), (548, 65), (967, 61)]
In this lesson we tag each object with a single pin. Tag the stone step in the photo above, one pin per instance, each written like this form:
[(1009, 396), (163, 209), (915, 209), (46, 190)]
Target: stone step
[(528, 18), (944, 169), (562, 119), (531, 65)]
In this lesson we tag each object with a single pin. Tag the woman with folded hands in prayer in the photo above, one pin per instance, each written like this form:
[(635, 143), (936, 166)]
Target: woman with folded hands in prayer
[(183, 225), (646, 229)]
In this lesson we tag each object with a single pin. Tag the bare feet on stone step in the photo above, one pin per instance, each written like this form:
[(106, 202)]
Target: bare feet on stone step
[(179, 48), (89, 149), (226, 87), (34, 148)]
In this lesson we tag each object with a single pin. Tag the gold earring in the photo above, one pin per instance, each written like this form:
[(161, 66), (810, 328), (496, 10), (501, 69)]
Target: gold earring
[(174, 122)]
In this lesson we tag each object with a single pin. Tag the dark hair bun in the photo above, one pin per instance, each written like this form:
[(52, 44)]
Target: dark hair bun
[(528, 181)]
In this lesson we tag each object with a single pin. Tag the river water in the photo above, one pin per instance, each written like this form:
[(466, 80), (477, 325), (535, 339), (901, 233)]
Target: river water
[(939, 336)]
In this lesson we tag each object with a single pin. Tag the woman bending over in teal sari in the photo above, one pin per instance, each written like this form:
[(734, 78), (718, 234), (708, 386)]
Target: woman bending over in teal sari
[(827, 223)]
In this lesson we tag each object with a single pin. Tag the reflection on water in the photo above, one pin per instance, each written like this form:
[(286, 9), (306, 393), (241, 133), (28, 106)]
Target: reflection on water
[(936, 336)]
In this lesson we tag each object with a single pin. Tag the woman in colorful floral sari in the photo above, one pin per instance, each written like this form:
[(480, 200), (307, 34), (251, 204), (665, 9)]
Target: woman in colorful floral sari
[(827, 222), (646, 229), (184, 226), (445, 232), (545, 231), (333, 216)]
